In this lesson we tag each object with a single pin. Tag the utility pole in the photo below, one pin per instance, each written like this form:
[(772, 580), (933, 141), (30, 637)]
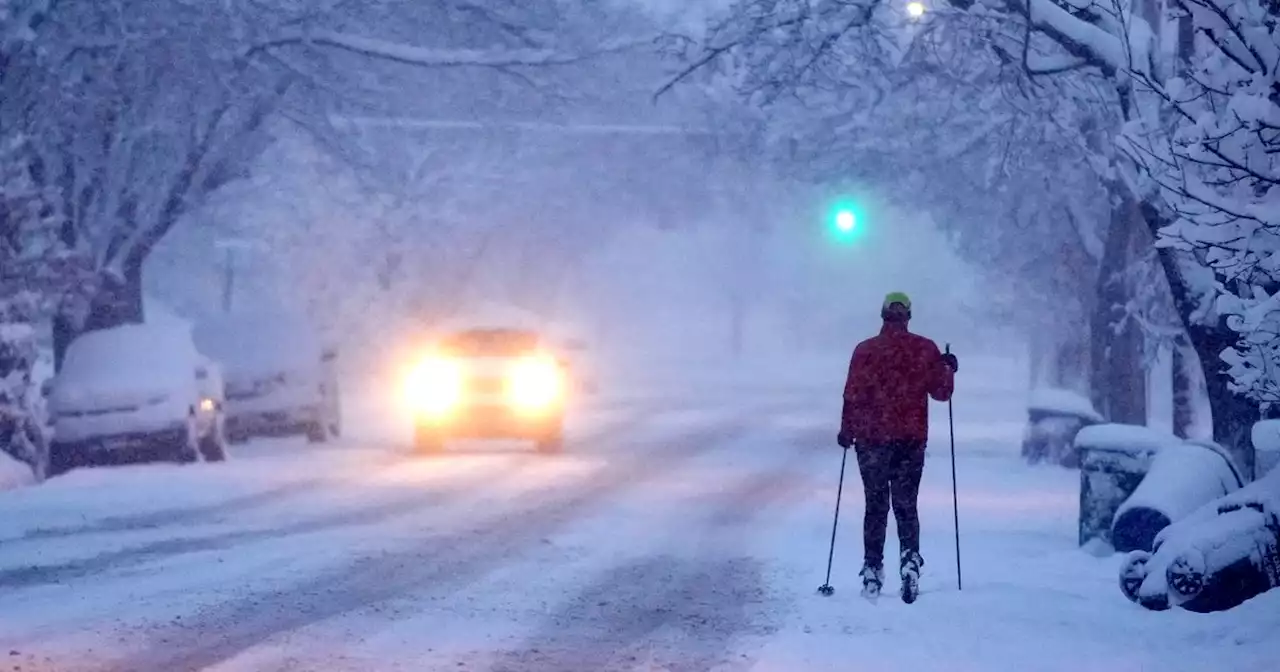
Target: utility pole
[(228, 278)]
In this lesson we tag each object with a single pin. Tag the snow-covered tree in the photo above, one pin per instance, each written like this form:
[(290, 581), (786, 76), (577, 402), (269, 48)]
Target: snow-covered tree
[(137, 115), (1156, 88)]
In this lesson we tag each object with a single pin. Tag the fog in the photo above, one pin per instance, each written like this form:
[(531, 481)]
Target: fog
[(690, 212), (644, 266)]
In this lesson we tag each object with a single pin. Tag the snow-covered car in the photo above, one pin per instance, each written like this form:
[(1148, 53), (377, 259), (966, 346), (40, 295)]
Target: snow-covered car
[(489, 383), (1222, 554), (135, 393), (280, 377)]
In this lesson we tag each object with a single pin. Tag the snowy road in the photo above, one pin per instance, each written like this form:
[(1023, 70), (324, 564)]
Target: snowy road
[(669, 536)]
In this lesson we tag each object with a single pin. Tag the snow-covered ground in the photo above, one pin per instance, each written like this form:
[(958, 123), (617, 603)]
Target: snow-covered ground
[(683, 529)]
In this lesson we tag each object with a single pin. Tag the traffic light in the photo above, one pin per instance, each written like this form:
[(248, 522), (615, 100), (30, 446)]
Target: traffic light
[(846, 220)]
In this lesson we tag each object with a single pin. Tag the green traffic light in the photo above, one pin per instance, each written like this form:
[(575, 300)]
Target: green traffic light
[(846, 220)]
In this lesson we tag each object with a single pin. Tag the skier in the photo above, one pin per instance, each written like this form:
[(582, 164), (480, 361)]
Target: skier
[(886, 419)]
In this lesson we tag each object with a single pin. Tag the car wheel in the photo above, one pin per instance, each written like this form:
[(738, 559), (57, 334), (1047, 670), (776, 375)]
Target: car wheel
[(335, 410), (188, 450), (213, 446), (318, 432), (427, 441), (335, 425)]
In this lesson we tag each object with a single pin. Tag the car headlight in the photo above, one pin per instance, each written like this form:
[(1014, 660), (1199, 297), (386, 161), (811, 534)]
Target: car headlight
[(435, 385), (535, 384)]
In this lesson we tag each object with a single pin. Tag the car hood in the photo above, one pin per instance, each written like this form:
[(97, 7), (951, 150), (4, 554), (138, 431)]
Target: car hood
[(107, 397)]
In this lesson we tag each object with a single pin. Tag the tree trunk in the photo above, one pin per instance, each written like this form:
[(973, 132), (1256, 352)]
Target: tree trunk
[(115, 301), (1233, 415), (1184, 389), (1118, 381)]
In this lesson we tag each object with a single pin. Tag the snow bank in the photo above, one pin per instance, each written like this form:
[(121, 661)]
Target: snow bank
[(1062, 402), (1181, 479)]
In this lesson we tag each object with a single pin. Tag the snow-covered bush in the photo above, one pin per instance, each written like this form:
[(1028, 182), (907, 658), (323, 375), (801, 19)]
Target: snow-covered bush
[(28, 243), (22, 433)]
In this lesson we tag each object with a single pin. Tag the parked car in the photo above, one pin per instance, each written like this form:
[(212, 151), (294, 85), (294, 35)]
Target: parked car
[(489, 383), (135, 393), (281, 380)]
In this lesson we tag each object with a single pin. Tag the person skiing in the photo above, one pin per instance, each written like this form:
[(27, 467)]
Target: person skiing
[(886, 420)]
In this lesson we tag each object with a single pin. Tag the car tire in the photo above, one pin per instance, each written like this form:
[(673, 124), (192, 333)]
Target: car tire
[(213, 446), (427, 441), (318, 432), (188, 450), (335, 410)]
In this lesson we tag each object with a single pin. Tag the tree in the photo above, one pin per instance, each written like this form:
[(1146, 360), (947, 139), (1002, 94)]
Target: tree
[(998, 148), (156, 111), (1117, 43)]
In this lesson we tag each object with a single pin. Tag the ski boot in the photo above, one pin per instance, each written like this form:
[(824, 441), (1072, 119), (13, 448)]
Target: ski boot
[(910, 573), (872, 581)]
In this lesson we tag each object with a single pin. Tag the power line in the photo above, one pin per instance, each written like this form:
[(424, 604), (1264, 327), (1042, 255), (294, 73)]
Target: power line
[(531, 126)]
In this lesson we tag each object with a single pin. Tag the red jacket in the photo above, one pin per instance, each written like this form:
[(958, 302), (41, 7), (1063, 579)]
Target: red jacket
[(891, 377)]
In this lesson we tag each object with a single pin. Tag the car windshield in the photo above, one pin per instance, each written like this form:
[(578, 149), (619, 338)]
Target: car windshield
[(490, 343)]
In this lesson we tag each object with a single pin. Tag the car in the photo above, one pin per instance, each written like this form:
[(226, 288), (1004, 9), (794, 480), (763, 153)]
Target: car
[(135, 393), (489, 383), (281, 378)]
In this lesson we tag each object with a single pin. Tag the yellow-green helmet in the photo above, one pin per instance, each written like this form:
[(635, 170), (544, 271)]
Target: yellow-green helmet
[(896, 297)]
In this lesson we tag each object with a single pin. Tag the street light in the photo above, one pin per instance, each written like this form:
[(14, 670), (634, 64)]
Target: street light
[(915, 9)]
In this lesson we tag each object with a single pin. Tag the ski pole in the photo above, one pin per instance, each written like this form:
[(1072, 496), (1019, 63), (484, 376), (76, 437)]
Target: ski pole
[(826, 589), (955, 497)]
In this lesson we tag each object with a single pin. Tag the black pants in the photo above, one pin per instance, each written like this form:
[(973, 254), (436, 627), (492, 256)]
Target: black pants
[(890, 479)]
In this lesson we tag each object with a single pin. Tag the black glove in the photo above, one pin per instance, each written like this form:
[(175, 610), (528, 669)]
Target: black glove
[(951, 362), (844, 440)]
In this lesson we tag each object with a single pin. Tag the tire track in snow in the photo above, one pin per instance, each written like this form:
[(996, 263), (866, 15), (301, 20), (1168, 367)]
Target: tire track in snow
[(658, 613), (35, 575), (206, 512), (674, 612), (446, 562)]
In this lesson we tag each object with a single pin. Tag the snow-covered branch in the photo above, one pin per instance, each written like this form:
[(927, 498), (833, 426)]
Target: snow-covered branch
[(438, 57)]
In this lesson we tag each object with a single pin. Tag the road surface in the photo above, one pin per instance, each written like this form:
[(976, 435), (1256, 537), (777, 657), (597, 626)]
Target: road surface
[(669, 536)]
